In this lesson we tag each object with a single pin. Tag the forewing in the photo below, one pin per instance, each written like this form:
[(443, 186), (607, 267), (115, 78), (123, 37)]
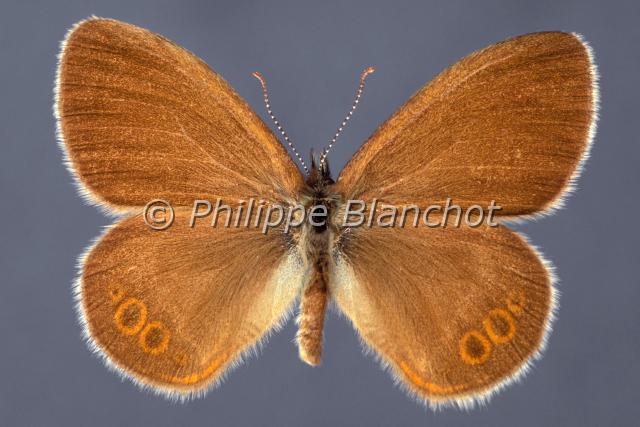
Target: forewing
[(455, 313), (510, 123), (141, 118), (174, 309)]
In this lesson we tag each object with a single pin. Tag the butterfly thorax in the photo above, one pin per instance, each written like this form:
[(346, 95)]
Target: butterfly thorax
[(319, 192), (317, 239)]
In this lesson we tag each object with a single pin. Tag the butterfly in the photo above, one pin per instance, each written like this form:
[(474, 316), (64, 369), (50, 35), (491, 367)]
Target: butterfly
[(454, 313)]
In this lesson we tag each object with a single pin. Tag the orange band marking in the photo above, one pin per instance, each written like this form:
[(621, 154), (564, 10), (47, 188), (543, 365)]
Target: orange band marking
[(122, 308), (429, 387), (507, 318), (464, 348), (194, 378), (161, 347)]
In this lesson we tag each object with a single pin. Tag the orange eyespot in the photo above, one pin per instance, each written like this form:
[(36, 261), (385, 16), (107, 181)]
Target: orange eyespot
[(516, 301), (154, 339), (130, 316), (115, 292), (475, 348), (500, 326)]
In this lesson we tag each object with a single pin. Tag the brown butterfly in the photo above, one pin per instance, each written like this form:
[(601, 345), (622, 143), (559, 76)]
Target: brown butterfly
[(454, 313)]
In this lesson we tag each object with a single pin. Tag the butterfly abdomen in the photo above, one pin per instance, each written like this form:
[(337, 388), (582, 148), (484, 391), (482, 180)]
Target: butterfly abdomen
[(311, 319), (313, 302)]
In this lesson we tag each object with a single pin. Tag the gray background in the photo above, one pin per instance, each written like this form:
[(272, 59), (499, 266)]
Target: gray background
[(312, 56)]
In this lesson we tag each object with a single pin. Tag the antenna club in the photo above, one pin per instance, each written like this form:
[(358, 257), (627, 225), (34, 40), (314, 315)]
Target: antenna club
[(366, 72), (260, 78)]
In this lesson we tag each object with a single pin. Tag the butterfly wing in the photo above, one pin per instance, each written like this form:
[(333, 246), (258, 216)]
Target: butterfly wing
[(174, 309), (455, 313), (458, 312), (511, 123), (141, 118)]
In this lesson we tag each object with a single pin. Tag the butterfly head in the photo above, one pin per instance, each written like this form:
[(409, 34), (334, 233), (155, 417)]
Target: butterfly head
[(319, 178)]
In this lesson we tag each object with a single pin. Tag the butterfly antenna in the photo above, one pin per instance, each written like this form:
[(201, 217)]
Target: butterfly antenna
[(267, 104), (326, 149)]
